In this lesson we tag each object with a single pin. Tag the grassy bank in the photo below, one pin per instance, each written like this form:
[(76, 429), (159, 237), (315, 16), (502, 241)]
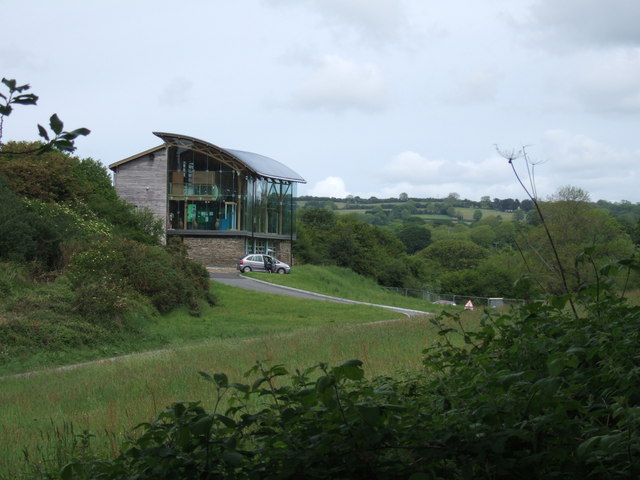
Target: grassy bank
[(344, 283), (239, 314), (110, 398)]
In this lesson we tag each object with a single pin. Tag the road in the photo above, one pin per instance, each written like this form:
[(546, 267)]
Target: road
[(237, 280)]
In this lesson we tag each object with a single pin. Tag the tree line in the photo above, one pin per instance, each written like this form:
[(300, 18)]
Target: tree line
[(483, 257)]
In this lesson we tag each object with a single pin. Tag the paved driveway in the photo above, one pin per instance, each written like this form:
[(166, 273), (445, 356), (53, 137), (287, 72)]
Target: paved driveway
[(237, 280)]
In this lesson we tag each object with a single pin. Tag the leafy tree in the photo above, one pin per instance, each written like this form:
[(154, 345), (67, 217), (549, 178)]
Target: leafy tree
[(414, 237), (484, 235), (477, 214), (519, 215), (313, 232), (49, 176), (58, 139), (17, 232), (455, 254), (56, 177), (574, 226), (527, 205), (570, 193), (403, 197)]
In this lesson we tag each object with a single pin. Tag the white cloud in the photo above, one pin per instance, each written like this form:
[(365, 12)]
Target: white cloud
[(411, 167), (420, 176), (609, 82), (375, 21), (329, 187), (590, 22), (580, 158), (381, 18), (176, 92), (476, 87), (339, 84)]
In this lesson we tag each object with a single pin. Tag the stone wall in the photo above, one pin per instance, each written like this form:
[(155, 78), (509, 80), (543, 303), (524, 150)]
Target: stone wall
[(226, 251), (283, 252), (215, 252)]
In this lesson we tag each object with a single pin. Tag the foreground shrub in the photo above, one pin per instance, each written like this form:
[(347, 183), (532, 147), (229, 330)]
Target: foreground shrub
[(537, 393)]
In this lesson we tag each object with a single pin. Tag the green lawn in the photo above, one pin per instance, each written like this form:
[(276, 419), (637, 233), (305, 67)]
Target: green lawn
[(344, 283)]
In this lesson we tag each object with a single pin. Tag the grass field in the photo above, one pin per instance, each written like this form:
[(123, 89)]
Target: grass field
[(109, 398), (467, 213)]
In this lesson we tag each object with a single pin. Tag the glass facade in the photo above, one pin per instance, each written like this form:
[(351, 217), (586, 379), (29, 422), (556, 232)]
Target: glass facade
[(206, 193)]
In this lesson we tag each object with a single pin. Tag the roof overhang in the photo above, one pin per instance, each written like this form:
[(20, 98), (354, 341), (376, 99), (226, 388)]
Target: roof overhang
[(136, 156), (259, 165)]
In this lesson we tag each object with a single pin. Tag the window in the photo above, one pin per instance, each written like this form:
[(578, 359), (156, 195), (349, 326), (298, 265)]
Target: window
[(202, 192)]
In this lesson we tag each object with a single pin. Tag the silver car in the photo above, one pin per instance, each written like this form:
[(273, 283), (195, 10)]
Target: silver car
[(257, 262)]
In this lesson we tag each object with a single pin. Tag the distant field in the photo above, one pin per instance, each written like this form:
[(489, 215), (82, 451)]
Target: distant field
[(434, 216), (467, 213)]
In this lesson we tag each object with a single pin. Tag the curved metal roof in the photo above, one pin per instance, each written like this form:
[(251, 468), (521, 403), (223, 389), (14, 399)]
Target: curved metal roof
[(258, 164)]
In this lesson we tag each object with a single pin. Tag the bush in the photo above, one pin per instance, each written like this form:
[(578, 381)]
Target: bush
[(115, 268)]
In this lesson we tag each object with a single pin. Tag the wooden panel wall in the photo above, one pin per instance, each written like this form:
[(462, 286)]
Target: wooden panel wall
[(143, 183)]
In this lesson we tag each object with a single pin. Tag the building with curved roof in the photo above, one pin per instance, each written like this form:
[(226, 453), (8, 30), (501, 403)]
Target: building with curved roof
[(222, 203)]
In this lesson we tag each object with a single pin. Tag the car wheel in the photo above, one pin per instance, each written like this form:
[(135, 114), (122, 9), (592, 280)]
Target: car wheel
[(246, 269), (281, 270)]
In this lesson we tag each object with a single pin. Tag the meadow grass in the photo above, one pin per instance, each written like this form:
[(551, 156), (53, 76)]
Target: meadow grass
[(110, 398), (240, 313), (46, 409), (43, 408)]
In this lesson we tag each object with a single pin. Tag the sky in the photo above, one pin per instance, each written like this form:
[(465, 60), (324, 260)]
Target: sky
[(360, 97)]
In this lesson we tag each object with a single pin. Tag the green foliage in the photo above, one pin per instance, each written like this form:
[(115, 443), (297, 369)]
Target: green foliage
[(40, 318), (574, 226), (119, 266), (48, 177), (455, 254), (60, 140), (346, 241), (83, 185), (17, 232), (535, 393), (414, 237)]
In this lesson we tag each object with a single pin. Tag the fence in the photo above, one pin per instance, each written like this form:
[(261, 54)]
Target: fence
[(454, 299)]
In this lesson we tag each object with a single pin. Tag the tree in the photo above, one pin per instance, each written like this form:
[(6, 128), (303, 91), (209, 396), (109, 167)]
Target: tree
[(59, 139), (414, 237), (403, 197), (477, 214), (453, 197), (483, 235), (519, 215), (527, 205), (455, 254), (564, 229), (569, 193)]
